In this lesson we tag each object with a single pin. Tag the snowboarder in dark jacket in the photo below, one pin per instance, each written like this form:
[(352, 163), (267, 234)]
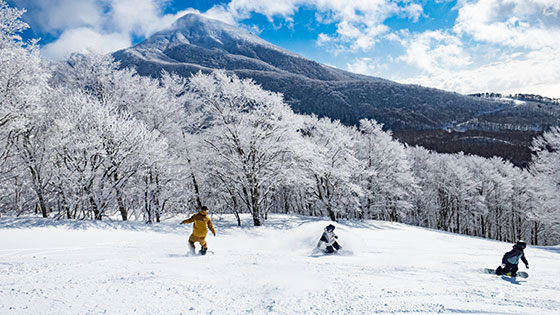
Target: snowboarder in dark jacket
[(511, 260), (329, 238)]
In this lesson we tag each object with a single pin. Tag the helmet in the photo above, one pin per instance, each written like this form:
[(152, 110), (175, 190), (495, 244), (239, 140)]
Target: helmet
[(521, 244), (203, 210), (330, 227)]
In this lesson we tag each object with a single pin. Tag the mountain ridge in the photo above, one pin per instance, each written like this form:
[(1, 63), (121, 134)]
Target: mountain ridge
[(195, 43)]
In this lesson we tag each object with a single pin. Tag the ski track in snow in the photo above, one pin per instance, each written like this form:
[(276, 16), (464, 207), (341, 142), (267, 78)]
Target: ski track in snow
[(69, 267)]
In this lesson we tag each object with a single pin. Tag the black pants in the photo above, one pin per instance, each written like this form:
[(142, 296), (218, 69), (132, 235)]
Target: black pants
[(511, 268), (330, 248)]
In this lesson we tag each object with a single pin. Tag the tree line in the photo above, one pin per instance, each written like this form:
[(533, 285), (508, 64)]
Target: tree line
[(83, 139)]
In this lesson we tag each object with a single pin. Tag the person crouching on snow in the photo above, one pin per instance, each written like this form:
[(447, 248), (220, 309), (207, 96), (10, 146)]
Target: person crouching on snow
[(511, 260), (201, 225), (329, 238)]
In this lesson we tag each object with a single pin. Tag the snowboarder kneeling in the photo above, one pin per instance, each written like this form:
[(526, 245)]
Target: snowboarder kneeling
[(329, 238), (511, 260), (201, 225)]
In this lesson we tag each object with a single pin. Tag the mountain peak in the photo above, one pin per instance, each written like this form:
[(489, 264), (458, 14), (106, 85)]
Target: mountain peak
[(207, 32), (190, 19)]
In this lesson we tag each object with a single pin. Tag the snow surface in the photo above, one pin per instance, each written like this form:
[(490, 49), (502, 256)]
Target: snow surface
[(508, 99), (84, 267)]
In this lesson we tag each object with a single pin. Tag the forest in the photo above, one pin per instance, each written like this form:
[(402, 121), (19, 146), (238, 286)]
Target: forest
[(86, 140), (512, 145)]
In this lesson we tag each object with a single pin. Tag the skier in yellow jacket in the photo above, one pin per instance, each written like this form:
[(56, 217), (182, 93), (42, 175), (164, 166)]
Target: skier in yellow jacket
[(201, 225)]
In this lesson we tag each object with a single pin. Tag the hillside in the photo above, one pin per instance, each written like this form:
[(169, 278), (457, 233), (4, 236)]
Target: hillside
[(79, 267)]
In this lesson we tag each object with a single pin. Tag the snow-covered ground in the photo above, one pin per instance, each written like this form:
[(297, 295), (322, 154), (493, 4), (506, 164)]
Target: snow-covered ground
[(68, 267)]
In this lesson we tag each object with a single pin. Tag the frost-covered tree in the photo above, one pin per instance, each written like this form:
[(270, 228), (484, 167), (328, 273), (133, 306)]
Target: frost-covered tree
[(184, 123), (334, 166), (453, 182), (497, 191), (99, 152), (162, 110), (32, 146), (387, 179), (475, 196), (23, 87), (150, 101), (424, 206), (247, 140), (11, 25), (546, 170), (523, 202)]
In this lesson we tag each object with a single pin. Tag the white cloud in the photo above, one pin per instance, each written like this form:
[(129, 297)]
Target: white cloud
[(52, 16), (507, 46), (242, 9), (220, 13), (85, 39), (323, 39), (413, 11), (364, 65), (432, 50), (137, 16), (359, 23), (531, 24), (535, 72)]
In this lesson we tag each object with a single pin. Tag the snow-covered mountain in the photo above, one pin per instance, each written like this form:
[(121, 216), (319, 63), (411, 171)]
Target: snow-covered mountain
[(196, 43), (103, 267)]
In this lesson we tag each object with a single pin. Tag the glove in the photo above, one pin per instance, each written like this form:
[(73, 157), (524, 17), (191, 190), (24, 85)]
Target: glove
[(503, 266), (336, 237), (527, 266), (214, 234)]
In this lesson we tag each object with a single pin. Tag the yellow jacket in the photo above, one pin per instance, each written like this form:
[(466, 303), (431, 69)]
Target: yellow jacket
[(201, 220)]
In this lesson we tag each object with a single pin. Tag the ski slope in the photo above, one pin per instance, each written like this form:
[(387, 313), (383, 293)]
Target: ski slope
[(69, 267)]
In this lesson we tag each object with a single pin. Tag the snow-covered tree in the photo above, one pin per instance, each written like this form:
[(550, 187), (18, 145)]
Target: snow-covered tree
[(23, 87), (184, 122), (546, 170), (99, 152), (157, 106), (387, 177), (334, 165), (248, 139)]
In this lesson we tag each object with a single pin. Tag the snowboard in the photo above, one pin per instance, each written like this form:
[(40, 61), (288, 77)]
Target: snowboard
[(521, 274), (208, 253), (318, 252)]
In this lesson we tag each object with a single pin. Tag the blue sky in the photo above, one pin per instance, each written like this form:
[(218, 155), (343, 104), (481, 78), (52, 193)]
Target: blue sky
[(467, 46)]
